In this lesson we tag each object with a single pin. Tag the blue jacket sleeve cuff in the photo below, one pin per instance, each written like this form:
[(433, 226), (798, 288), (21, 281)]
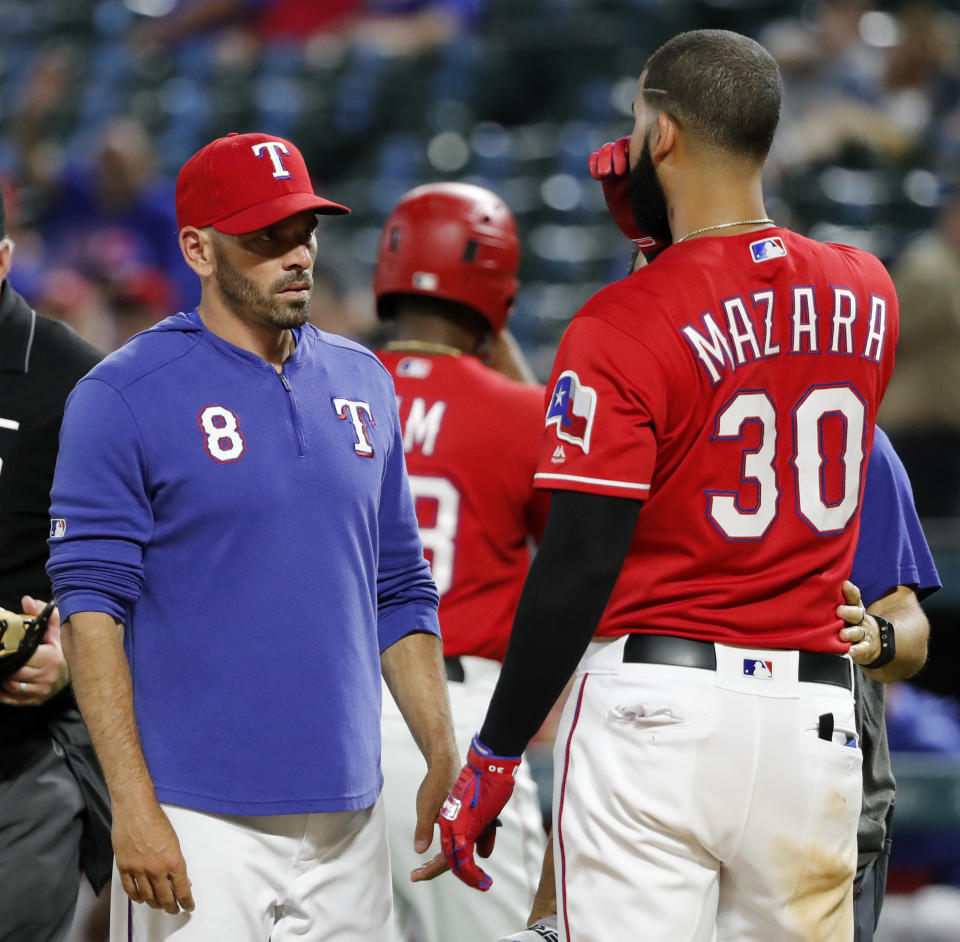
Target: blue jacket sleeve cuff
[(419, 616), (83, 600)]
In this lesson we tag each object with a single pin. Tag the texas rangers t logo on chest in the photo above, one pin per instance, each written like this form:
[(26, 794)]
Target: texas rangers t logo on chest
[(359, 414)]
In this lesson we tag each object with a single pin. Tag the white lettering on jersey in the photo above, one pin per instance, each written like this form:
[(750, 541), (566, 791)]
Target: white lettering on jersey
[(741, 330), (422, 426), (223, 442), (714, 352), (359, 414), (770, 348), (804, 320), (844, 315), (274, 149), (723, 347), (878, 328)]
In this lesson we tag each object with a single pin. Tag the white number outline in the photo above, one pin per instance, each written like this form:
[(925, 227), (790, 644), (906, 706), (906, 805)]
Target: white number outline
[(441, 538), (755, 466), (851, 469), (213, 435)]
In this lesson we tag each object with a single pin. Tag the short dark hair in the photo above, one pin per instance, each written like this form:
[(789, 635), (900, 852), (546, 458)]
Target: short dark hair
[(720, 86), (3, 216)]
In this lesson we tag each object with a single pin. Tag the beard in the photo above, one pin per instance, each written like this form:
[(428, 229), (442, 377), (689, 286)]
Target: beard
[(251, 304), (647, 200)]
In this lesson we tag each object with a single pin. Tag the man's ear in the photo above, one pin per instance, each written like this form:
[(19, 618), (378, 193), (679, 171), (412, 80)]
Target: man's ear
[(6, 257), (663, 137), (197, 247)]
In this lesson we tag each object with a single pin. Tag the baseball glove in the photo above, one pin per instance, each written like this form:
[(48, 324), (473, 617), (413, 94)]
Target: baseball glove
[(19, 637)]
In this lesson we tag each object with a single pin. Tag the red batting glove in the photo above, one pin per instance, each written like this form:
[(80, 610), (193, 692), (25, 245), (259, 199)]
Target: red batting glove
[(469, 815), (611, 166)]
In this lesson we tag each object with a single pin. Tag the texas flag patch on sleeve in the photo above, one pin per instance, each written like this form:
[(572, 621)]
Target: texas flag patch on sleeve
[(572, 408)]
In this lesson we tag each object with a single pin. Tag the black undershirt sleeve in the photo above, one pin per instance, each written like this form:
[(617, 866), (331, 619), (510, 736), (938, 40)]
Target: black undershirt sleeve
[(584, 545)]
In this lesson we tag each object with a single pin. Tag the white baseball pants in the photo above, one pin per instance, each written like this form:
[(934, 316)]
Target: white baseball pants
[(276, 878), (445, 908), (701, 806)]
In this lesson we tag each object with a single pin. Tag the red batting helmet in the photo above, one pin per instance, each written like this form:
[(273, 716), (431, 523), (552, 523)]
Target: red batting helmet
[(454, 241)]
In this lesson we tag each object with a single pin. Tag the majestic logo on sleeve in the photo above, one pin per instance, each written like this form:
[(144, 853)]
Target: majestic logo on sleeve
[(572, 407), (361, 417)]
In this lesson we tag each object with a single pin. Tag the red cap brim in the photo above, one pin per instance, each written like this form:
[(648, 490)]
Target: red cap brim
[(273, 210)]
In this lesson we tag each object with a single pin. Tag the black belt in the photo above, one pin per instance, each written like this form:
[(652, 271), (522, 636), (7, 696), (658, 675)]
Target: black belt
[(815, 667), (454, 668)]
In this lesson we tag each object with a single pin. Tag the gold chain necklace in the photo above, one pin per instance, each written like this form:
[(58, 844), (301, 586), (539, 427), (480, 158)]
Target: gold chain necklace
[(422, 346), (724, 225)]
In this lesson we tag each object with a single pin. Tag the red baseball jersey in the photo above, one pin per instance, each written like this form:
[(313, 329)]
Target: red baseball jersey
[(471, 437), (732, 385)]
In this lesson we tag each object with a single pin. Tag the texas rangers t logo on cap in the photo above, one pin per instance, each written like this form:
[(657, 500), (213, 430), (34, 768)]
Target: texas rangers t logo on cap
[(572, 407), (274, 149)]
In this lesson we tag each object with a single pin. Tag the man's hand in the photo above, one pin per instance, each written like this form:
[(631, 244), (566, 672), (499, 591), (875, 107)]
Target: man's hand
[(430, 797), (151, 866), (46, 673), (468, 817), (611, 166), (863, 632)]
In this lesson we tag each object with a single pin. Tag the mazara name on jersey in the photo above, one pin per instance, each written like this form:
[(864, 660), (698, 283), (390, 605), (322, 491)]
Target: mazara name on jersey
[(746, 330)]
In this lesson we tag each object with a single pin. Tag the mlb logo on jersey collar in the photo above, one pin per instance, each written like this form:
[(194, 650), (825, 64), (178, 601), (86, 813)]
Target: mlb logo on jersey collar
[(764, 249)]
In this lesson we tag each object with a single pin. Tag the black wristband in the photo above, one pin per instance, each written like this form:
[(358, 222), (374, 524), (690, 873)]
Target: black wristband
[(888, 643)]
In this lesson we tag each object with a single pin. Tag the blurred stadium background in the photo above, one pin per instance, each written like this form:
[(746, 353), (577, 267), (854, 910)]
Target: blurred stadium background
[(103, 100)]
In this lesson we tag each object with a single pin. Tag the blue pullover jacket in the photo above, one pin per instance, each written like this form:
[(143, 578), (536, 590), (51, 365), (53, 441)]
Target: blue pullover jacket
[(255, 534)]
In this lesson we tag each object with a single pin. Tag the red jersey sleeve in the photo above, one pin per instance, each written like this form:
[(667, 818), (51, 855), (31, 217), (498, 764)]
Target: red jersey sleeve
[(606, 401)]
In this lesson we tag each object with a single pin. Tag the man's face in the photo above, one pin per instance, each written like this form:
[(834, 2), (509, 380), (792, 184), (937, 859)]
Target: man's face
[(266, 276), (647, 200)]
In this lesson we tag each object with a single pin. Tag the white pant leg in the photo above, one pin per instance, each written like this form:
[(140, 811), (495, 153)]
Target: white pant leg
[(628, 863), (445, 908), (682, 792), (273, 877), (796, 859), (339, 886)]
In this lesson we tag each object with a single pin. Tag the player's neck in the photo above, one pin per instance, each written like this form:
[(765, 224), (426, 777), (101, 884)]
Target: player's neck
[(714, 200), (432, 330), (272, 344)]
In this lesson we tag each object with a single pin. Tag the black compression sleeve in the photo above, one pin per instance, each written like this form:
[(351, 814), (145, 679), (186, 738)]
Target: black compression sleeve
[(585, 543)]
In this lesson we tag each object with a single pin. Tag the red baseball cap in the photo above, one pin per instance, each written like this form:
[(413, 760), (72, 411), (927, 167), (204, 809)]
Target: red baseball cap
[(243, 182)]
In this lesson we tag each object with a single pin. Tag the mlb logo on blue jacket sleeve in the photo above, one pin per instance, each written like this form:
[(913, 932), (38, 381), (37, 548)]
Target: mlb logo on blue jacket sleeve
[(58, 528), (572, 407), (755, 668)]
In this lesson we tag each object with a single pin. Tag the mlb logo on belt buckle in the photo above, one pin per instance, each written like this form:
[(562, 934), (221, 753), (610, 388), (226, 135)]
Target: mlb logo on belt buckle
[(755, 668)]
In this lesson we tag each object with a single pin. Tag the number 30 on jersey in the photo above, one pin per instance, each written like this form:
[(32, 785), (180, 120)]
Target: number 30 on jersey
[(808, 417)]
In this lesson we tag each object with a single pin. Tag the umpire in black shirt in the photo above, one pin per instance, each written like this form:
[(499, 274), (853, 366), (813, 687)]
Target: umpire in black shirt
[(54, 811)]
